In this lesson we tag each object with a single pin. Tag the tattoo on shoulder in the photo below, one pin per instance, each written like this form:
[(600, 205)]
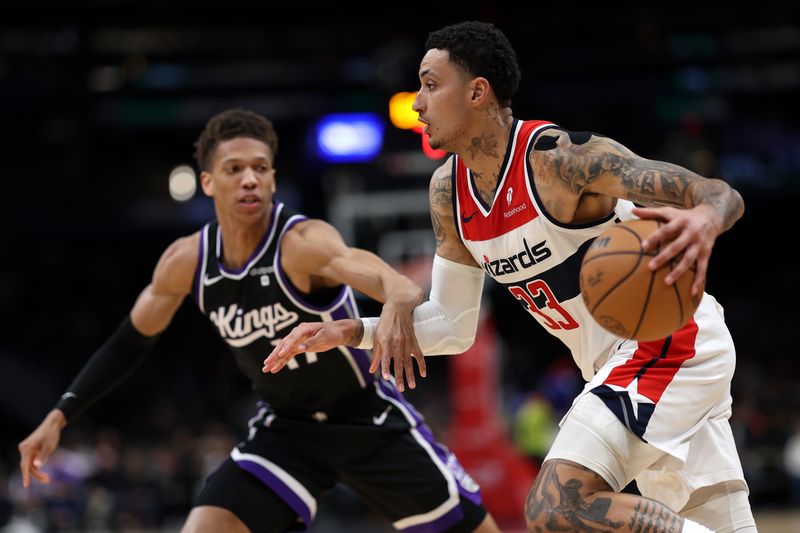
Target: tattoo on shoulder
[(644, 181)]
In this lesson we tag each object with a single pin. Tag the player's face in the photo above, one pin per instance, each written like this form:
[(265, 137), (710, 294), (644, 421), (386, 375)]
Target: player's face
[(241, 179), (443, 100)]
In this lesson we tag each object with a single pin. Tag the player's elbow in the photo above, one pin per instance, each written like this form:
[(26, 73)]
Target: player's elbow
[(466, 328)]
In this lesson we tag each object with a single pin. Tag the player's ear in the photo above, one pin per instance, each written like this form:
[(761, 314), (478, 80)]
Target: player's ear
[(480, 90), (206, 183)]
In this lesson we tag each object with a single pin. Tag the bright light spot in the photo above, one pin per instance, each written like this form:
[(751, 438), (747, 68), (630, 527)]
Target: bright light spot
[(349, 137), (182, 183), (400, 112)]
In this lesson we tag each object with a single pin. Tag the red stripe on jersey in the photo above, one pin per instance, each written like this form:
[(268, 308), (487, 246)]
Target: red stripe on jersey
[(654, 371), (512, 206)]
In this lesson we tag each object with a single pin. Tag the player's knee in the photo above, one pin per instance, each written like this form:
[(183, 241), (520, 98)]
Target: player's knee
[(538, 510), (559, 487), (210, 519)]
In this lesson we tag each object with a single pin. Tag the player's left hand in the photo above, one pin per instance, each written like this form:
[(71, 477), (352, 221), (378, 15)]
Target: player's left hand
[(396, 343), (690, 232), (309, 337)]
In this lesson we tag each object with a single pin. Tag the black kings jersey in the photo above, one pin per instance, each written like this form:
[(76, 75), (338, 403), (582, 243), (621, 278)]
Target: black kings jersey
[(251, 308)]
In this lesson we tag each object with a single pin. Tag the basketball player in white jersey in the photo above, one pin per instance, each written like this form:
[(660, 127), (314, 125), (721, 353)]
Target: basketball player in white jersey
[(521, 201)]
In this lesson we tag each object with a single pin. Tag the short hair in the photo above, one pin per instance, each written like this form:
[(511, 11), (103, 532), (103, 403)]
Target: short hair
[(229, 125), (482, 50)]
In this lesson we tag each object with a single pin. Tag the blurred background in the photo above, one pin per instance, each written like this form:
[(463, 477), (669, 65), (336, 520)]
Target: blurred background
[(101, 103)]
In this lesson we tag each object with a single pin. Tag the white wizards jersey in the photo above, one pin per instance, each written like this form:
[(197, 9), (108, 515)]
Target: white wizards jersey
[(536, 257)]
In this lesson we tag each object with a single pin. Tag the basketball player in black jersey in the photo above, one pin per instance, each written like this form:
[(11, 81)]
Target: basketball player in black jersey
[(660, 416), (256, 271)]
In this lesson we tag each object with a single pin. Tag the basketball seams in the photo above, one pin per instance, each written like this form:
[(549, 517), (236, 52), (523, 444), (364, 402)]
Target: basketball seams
[(645, 303), (620, 281)]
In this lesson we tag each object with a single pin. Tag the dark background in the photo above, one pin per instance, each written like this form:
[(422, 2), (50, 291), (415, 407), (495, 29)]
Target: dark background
[(99, 101)]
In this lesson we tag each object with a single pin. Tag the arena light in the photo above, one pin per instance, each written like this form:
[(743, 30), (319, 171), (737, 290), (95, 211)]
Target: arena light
[(182, 183), (400, 112), (349, 137)]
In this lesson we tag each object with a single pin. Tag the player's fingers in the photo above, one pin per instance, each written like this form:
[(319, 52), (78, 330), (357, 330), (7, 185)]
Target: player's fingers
[(420, 357), (679, 265), (669, 252), (386, 362), (273, 358), (408, 366), (649, 212), (44, 477), (399, 367), (25, 468), (700, 275), (665, 233), (376, 359), (26, 456)]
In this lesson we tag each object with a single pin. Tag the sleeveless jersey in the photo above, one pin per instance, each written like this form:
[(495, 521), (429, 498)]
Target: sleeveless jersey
[(533, 255), (256, 305)]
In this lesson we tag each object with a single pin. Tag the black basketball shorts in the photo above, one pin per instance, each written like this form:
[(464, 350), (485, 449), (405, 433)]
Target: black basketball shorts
[(383, 451)]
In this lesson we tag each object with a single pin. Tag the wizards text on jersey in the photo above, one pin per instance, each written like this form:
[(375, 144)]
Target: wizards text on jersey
[(529, 256)]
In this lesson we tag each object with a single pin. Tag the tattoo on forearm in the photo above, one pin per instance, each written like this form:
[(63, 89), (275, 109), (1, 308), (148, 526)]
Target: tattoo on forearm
[(720, 196), (357, 336), (485, 144)]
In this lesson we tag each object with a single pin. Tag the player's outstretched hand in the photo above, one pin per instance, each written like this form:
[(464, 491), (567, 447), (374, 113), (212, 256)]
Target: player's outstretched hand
[(395, 344), (690, 232), (310, 337), (38, 446)]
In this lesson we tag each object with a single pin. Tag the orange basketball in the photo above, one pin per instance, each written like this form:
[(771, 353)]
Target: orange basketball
[(624, 295)]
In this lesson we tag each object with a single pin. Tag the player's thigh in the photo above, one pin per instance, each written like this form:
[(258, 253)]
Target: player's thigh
[(235, 500), (593, 437), (210, 519), (416, 482)]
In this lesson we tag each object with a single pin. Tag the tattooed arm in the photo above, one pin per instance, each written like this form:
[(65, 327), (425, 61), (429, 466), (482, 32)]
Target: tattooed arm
[(695, 209), (440, 193)]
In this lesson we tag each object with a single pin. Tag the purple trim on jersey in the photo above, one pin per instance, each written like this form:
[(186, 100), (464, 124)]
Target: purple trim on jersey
[(361, 356), (389, 390), (443, 523), (297, 295), (259, 249), (284, 493), (201, 263), (451, 462)]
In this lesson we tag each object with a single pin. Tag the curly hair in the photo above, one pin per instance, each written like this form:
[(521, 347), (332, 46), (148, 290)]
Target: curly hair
[(231, 124), (482, 50)]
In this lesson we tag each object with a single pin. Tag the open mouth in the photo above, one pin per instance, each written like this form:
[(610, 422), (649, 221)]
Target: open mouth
[(250, 202)]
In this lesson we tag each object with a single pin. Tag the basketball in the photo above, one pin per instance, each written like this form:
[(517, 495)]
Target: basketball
[(624, 295)]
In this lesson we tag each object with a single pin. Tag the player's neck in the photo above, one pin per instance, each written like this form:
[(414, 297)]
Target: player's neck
[(485, 148), (240, 240)]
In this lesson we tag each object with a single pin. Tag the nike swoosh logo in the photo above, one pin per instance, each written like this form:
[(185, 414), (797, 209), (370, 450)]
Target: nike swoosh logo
[(466, 219), (381, 418), (210, 281)]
